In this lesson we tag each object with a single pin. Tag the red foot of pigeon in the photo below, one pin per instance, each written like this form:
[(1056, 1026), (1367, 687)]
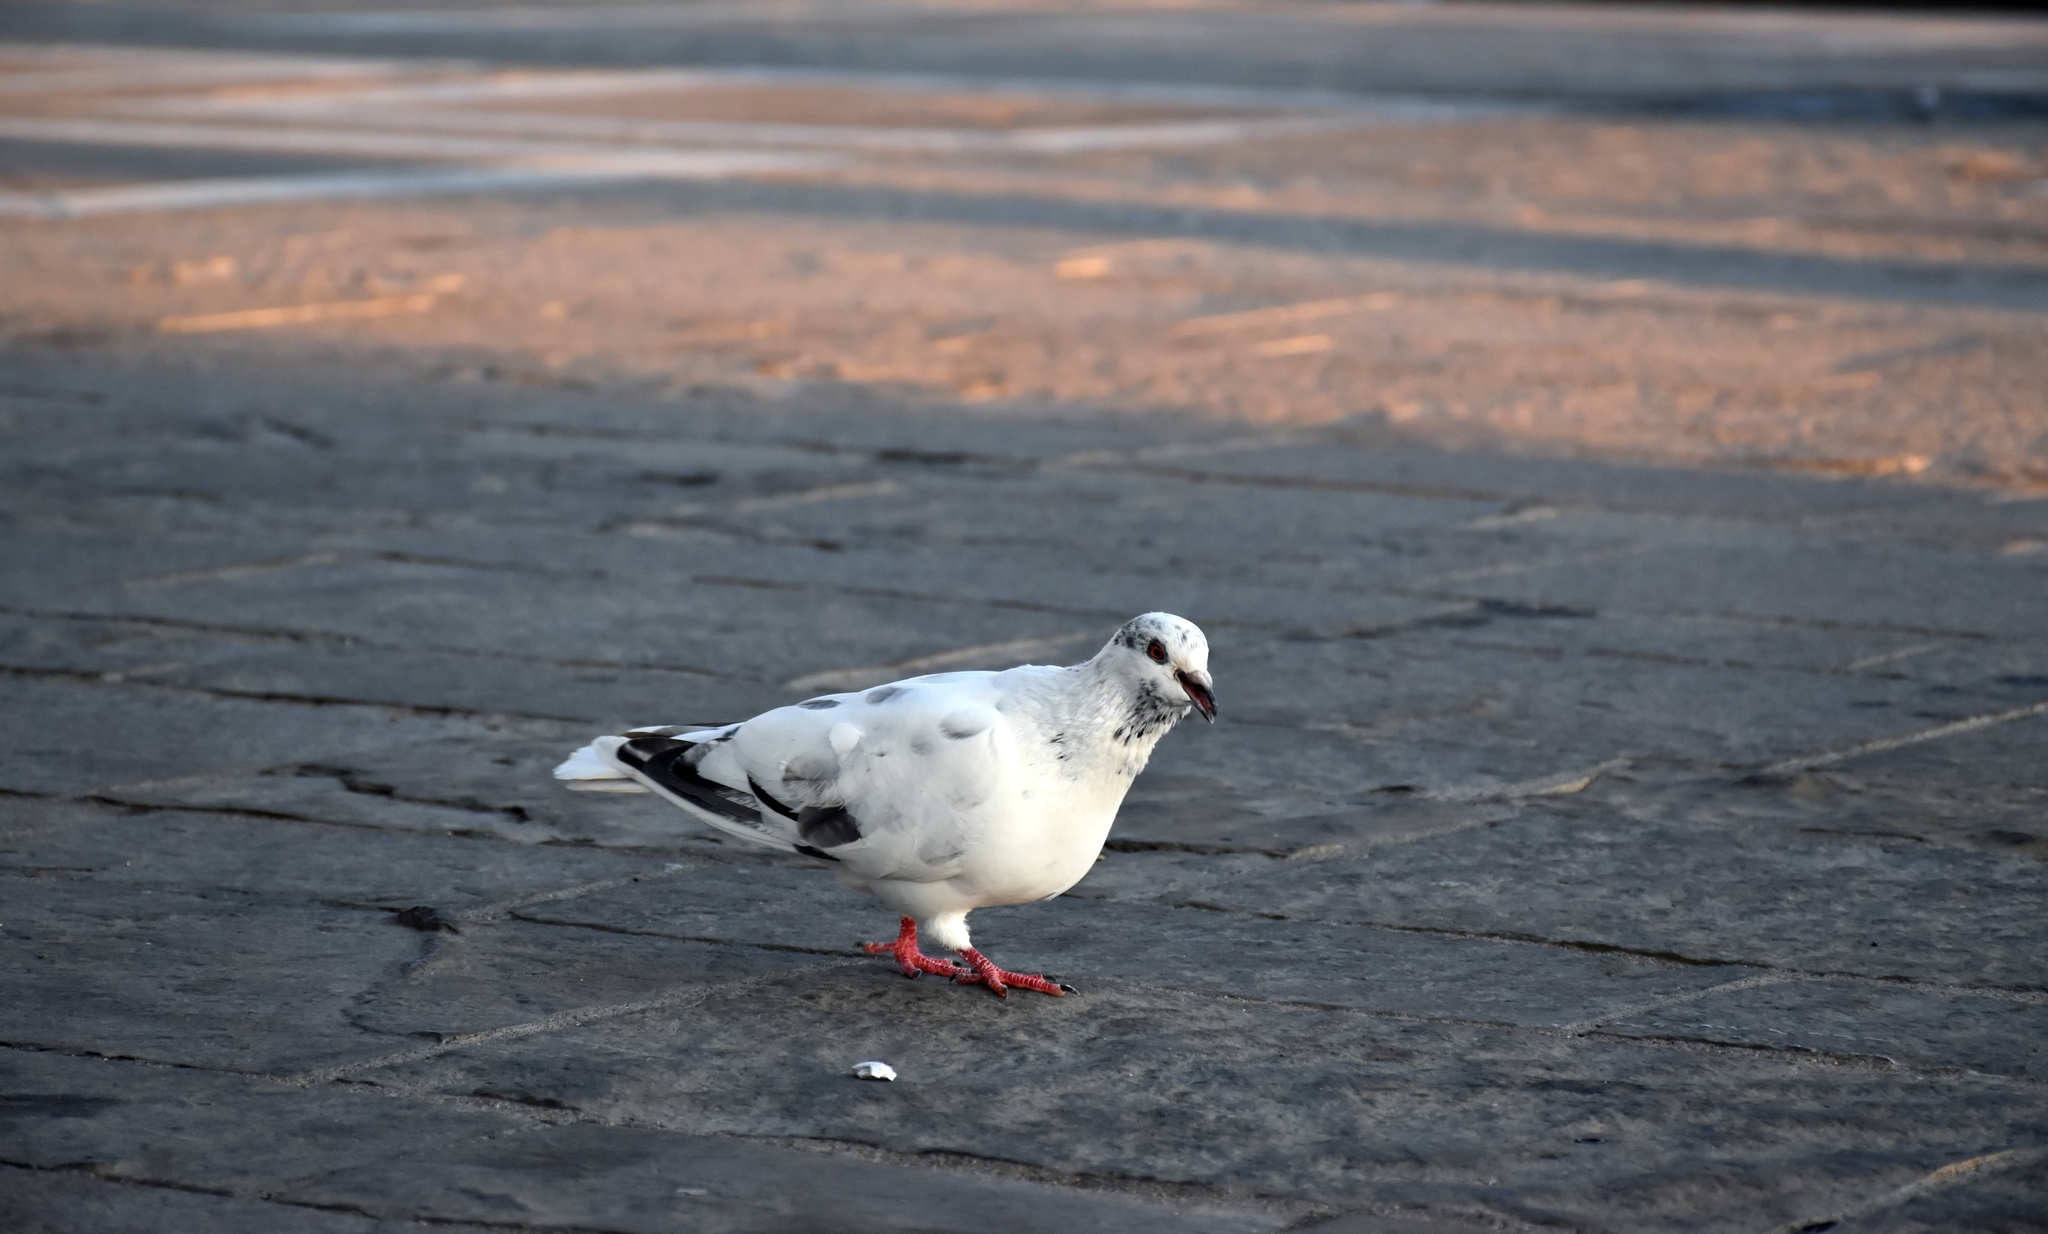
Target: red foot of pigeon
[(986, 973), (913, 962)]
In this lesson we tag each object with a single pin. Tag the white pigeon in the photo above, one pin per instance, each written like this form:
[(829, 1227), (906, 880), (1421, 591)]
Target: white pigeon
[(940, 794)]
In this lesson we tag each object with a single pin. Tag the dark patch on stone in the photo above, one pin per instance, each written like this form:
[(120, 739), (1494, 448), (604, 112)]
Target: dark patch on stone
[(427, 917), (1515, 608), (1854, 104), (2014, 838), (52, 1105), (929, 457), (819, 704), (501, 1094)]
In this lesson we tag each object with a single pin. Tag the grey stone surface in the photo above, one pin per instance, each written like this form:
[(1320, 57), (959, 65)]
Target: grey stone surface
[(1102, 942), (53, 1202), (385, 1164), (1627, 807), (628, 1178), (2009, 1201), (1199, 1090), (1980, 1032), (1807, 902)]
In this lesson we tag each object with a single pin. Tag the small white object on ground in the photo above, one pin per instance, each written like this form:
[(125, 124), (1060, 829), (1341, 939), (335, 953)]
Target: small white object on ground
[(873, 1069)]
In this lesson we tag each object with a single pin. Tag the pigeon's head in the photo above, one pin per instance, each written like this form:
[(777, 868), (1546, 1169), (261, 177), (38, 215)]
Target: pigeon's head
[(1169, 654)]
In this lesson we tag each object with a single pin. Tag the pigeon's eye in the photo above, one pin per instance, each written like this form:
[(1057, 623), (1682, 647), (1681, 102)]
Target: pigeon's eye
[(1157, 651)]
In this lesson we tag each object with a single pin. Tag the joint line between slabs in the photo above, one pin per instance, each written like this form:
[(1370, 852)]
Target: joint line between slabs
[(1954, 1174), (1582, 1027), (2029, 997), (281, 634), (575, 1018), (505, 908), (850, 678), (1879, 745), (1556, 784)]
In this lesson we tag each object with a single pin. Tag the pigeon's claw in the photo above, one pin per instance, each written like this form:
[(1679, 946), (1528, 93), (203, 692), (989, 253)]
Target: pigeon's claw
[(999, 980), (913, 962)]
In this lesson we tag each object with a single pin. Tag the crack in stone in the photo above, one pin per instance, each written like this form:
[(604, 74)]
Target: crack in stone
[(889, 593), (1839, 1058), (97, 1170), (1163, 1191), (669, 526), (1969, 724), (1956, 1174), (65, 1051), (1385, 488), (1582, 1027), (509, 908), (1767, 619), (354, 782), (1435, 492), (301, 636), (1166, 1191), (2019, 994), (574, 1018), (278, 696), (150, 807), (603, 928)]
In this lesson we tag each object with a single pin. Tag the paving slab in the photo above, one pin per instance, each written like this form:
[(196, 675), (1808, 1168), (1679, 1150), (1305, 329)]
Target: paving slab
[(1217, 1092), (1978, 1031), (2010, 1199), (53, 720), (630, 1178), (499, 786), (1094, 942), (251, 854), (348, 1160), (1826, 906), (217, 980), (53, 1202)]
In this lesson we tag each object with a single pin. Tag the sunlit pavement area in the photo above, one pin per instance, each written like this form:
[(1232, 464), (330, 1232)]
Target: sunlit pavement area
[(1606, 447)]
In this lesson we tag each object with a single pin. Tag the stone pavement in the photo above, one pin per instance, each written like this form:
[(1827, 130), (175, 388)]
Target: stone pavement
[(1626, 813)]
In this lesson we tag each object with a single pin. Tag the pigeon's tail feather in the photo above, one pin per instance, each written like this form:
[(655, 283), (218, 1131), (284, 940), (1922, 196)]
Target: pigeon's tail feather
[(587, 771), (666, 766)]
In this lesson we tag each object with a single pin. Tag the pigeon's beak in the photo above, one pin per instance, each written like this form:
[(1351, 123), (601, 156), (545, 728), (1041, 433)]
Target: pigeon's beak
[(1201, 692)]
